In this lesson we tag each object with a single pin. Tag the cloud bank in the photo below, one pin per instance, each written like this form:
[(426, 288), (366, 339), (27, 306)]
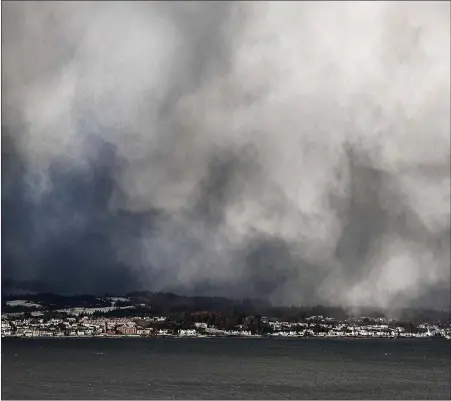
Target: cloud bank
[(293, 151)]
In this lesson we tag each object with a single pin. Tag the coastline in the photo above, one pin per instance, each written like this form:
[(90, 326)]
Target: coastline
[(291, 338)]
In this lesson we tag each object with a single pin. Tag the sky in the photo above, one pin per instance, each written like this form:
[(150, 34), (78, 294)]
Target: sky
[(293, 151)]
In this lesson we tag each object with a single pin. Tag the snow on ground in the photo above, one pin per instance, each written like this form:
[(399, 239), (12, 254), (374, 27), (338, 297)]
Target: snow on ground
[(119, 299), (114, 300), (23, 302), (90, 311)]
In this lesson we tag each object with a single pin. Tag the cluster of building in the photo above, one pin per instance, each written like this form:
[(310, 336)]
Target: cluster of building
[(203, 330), (317, 326), (76, 327), (346, 329)]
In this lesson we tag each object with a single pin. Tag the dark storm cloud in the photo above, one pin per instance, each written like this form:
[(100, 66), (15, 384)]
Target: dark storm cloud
[(287, 150), (64, 239)]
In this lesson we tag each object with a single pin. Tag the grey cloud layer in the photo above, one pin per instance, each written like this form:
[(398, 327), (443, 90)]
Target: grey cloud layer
[(298, 151)]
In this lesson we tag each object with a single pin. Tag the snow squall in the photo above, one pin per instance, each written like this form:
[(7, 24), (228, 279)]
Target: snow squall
[(296, 151)]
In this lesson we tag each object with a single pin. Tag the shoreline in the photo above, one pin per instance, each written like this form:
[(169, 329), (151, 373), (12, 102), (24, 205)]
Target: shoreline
[(131, 337)]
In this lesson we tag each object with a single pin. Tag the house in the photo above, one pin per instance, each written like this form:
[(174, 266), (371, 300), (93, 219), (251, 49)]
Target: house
[(188, 333), (126, 330)]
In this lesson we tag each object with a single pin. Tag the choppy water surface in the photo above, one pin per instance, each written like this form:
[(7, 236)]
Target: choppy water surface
[(225, 369)]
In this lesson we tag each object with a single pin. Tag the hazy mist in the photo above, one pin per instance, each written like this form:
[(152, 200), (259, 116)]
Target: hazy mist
[(298, 152)]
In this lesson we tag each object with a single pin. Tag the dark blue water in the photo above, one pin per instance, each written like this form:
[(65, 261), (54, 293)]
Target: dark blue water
[(225, 369)]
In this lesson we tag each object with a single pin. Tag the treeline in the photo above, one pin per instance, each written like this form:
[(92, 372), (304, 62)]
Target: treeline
[(167, 304)]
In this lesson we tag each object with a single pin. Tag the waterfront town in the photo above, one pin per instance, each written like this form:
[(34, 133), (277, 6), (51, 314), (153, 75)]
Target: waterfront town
[(145, 327), (98, 322)]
